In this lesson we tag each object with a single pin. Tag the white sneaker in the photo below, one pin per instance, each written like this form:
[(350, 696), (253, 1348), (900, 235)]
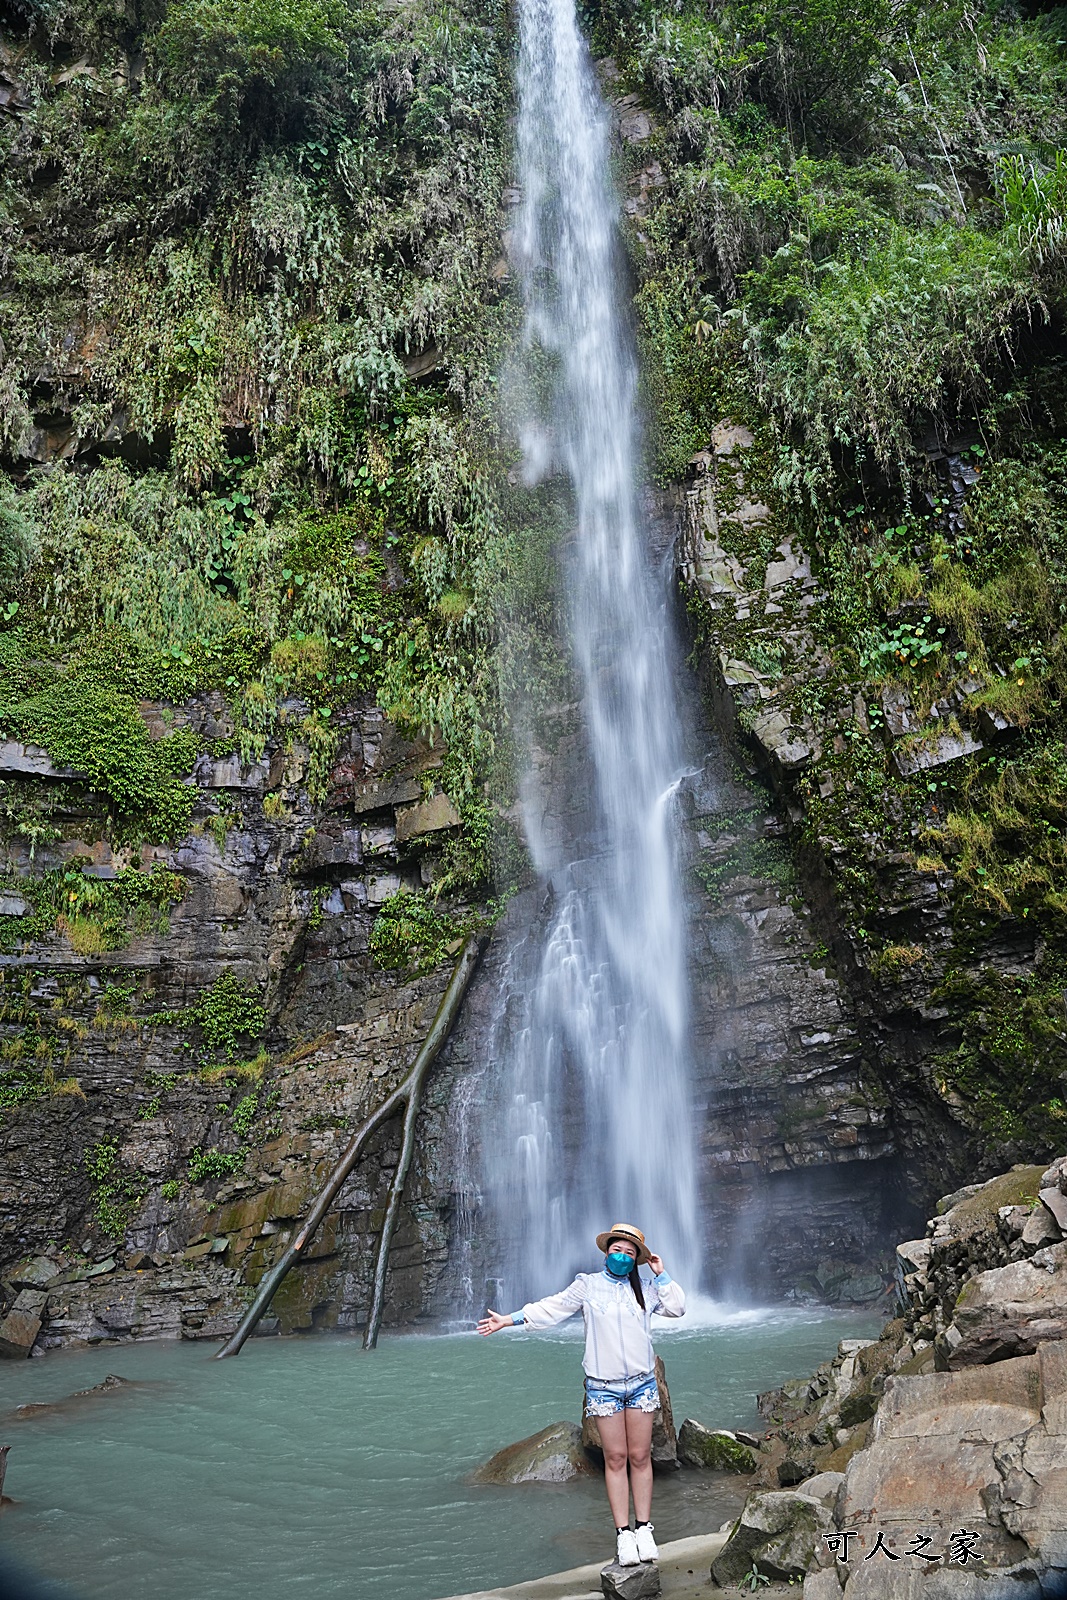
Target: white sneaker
[(646, 1545), (626, 1549)]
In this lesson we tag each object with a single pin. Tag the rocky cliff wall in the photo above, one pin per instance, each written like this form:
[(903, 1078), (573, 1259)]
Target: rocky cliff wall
[(174, 1104), (939, 999), (939, 1448)]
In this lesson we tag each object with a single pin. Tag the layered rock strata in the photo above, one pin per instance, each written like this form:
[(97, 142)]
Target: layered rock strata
[(929, 1465), (155, 1191)]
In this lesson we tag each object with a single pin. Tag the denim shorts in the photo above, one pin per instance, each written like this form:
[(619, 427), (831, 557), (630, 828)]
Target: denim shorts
[(606, 1397)]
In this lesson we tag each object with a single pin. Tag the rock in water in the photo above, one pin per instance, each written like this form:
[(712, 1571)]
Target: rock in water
[(554, 1455), (630, 1583), (717, 1450), (664, 1438), (777, 1532), (37, 1408)]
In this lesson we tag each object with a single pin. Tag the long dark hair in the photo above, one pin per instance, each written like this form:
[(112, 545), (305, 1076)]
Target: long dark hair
[(634, 1273)]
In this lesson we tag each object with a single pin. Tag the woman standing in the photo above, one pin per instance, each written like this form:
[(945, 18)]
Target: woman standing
[(620, 1378)]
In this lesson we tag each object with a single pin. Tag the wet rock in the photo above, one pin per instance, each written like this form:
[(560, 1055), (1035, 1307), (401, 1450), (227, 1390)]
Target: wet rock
[(428, 816), (857, 1408), (1041, 1227), (29, 760), (333, 846), (716, 1450), (36, 1273), (39, 1408), (630, 1583), (913, 1256), (1056, 1203), (554, 1455), (824, 1585), (935, 750), (19, 1329), (777, 1532), (790, 744)]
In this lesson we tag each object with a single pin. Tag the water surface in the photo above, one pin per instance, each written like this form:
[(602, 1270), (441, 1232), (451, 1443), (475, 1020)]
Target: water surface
[(314, 1466)]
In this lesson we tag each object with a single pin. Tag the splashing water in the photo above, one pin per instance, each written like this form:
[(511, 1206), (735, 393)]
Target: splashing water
[(591, 1048)]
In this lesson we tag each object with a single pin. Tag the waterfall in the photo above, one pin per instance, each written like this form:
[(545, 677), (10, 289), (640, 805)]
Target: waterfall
[(589, 1119)]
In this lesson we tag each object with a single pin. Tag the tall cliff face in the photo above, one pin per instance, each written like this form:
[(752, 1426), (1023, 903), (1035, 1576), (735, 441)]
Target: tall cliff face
[(274, 598)]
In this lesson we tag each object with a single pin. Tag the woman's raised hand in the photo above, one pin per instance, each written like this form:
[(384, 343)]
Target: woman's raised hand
[(492, 1322), (656, 1263)]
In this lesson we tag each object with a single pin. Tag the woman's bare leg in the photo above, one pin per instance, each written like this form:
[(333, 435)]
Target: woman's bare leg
[(614, 1439), (639, 1453)]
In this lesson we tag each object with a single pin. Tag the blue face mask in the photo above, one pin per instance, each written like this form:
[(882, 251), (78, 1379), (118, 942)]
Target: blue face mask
[(619, 1264)]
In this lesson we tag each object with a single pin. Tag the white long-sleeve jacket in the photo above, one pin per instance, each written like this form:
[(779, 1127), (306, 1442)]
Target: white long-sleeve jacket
[(618, 1343)]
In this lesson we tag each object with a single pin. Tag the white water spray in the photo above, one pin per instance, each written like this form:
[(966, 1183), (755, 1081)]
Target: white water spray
[(594, 1121)]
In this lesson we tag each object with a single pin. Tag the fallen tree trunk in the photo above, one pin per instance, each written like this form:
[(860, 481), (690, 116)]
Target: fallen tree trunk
[(408, 1094)]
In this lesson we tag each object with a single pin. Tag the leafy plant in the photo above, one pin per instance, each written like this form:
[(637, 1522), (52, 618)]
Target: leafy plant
[(24, 1085), (1035, 205), (95, 914), (411, 933), (116, 1193), (100, 734), (213, 1163), (228, 1015)]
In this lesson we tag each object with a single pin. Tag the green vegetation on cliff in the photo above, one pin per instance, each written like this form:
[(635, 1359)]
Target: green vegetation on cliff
[(254, 309), (252, 317), (854, 243)]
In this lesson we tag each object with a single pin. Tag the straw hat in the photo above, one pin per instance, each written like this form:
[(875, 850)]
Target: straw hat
[(632, 1235)]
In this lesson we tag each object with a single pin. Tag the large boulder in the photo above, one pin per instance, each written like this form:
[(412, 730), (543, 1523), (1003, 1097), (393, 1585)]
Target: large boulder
[(715, 1449), (823, 1486), (778, 1532), (555, 1455), (983, 1448), (35, 1273), (1008, 1311)]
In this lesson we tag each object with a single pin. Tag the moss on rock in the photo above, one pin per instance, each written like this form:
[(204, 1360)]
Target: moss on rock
[(716, 1450)]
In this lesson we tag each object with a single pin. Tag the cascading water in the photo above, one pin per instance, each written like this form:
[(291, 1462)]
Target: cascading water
[(590, 1052)]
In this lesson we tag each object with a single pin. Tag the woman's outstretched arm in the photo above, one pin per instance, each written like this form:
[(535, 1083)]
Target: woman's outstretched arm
[(492, 1322), (540, 1313)]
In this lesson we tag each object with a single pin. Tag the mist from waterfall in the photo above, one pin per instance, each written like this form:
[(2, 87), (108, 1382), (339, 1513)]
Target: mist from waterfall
[(589, 1119)]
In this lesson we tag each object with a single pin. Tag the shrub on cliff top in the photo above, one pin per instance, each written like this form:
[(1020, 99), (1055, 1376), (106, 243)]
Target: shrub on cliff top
[(854, 351)]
